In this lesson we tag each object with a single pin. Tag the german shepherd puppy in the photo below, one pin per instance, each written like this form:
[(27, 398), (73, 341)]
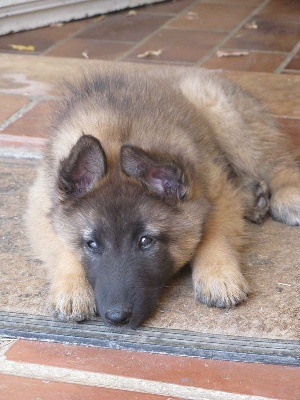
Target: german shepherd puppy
[(145, 170)]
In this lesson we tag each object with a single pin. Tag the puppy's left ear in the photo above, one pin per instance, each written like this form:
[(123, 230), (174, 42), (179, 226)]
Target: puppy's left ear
[(159, 174), (82, 169)]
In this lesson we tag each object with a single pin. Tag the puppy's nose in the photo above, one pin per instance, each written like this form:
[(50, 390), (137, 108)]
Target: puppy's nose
[(118, 316)]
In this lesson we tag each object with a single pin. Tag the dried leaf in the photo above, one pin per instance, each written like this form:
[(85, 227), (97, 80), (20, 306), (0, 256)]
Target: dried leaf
[(284, 284), (251, 25), (57, 24), (191, 15), (231, 53), (21, 47), (150, 53), (100, 18), (131, 13)]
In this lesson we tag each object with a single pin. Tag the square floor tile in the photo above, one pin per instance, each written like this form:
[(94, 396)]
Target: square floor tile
[(33, 123), (292, 127), (256, 62), (166, 7), (211, 17), (41, 38), (178, 45), (248, 3), (90, 48), (270, 36), (10, 104), (281, 11), (123, 28), (295, 62)]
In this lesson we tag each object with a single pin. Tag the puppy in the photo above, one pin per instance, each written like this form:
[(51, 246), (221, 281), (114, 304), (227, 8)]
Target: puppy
[(145, 170)]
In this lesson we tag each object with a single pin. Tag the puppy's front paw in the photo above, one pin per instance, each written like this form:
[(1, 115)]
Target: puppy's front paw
[(285, 205), (72, 301), (220, 287)]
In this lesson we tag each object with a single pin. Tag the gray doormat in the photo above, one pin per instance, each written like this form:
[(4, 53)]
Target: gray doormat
[(265, 329)]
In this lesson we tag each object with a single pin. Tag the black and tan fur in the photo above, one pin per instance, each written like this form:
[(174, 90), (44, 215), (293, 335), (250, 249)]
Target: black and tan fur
[(147, 169)]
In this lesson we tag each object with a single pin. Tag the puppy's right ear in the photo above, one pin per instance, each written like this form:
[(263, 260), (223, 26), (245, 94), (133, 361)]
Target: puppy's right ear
[(82, 169)]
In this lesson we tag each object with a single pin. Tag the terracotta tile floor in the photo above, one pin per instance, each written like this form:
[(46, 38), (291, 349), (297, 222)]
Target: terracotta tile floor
[(188, 32)]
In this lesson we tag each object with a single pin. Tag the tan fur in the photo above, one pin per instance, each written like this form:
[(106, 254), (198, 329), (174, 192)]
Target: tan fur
[(233, 127), (70, 293)]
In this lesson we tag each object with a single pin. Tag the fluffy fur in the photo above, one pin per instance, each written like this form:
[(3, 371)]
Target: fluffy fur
[(147, 169)]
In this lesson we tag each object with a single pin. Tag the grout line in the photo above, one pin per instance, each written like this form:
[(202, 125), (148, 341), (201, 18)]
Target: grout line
[(5, 344), (154, 61), (94, 22), (17, 146), (154, 14), (141, 42), (257, 51), (231, 33), (71, 36), (287, 117), (291, 71), (21, 112), (290, 56), (20, 154), (86, 378)]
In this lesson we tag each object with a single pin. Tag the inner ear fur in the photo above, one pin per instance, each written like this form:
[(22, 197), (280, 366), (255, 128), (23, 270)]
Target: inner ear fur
[(159, 173), (82, 169)]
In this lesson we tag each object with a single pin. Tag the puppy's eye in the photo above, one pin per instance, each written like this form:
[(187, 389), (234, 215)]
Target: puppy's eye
[(92, 245), (145, 242)]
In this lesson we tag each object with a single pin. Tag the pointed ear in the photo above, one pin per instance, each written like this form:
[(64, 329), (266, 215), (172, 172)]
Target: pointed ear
[(82, 169), (159, 174)]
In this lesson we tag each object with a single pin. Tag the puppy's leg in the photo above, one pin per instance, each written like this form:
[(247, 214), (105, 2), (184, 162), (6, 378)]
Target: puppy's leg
[(71, 296), (217, 278), (285, 199)]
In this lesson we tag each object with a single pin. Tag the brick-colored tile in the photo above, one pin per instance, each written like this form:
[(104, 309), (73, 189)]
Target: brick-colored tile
[(275, 381), (291, 71), (255, 62), (33, 123), (20, 388), (94, 49), (281, 11), (41, 38), (11, 104), (292, 127), (269, 35), (166, 7), (248, 3), (121, 27), (271, 89), (211, 17), (178, 46), (22, 145), (294, 63)]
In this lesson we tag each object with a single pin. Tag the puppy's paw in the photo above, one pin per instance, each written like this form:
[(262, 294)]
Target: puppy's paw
[(285, 205), (72, 301), (258, 206), (220, 287)]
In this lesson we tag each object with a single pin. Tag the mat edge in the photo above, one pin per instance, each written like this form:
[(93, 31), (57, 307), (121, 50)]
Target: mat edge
[(208, 346)]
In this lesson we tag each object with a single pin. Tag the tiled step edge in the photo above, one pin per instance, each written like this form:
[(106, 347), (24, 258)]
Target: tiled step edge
[(21, 147), (133, 385), (165, 341)]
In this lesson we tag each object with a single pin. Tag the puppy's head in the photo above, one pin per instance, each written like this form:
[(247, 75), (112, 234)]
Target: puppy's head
[(132, 225)]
